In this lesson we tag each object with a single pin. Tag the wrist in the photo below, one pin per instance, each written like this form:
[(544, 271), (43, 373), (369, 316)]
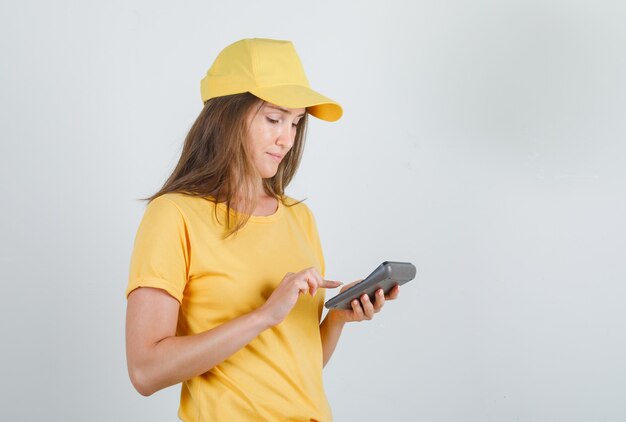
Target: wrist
[(261, 319), (336, 318)]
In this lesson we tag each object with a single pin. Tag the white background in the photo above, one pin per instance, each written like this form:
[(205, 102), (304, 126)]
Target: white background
[(482, 140)]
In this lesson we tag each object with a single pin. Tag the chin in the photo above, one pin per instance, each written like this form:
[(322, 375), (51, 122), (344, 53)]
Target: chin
[(268, 173)]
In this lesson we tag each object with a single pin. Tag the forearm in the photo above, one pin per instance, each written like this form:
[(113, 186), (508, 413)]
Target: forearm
[(330, 331), (178, 358)]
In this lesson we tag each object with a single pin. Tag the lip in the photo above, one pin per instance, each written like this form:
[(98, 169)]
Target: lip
[(277, 157)]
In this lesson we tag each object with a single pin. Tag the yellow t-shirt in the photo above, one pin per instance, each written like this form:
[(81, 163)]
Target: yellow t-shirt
[(180, 248)]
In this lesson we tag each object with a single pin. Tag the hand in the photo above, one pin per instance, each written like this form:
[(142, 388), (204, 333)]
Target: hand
[(363, 308), (284, 298)]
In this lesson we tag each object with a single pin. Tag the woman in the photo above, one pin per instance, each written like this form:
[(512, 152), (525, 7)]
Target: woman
[(226, 285)]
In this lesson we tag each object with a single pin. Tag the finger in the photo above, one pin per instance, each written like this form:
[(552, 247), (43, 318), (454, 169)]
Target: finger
[(308, 277), (314, 279), (393, 293), (302, 286), (358, 311), (380, 300), (330, 284), (368, 307), (312, 285), (347, 286)]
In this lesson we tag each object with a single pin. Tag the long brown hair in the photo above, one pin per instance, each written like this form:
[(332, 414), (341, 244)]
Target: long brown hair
[(215, 163)]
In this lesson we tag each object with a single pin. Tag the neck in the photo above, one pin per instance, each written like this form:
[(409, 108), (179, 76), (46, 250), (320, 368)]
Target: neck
[(259, 191), (258, 195)]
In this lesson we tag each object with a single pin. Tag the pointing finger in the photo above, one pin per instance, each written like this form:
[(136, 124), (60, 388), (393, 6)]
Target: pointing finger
[(330, 284)]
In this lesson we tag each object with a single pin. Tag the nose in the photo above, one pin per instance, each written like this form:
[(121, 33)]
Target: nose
[(287, 136)]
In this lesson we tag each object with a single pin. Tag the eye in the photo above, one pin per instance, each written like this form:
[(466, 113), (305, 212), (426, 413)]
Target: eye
[(272, 121)]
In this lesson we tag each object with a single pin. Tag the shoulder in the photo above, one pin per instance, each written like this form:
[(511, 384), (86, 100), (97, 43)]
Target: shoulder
[(296, 206), (162, 212), (175, 198), (175, 208), (299, 209), (183, 203)]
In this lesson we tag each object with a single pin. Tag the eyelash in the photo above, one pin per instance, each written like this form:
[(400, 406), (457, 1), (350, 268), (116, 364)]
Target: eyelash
[(276, 121)]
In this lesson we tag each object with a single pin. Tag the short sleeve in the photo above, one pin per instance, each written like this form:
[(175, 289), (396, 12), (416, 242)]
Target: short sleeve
[(160, 256)]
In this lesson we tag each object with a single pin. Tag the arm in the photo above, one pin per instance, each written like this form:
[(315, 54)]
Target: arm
[(330, 331), (157, 358), (332, 326)]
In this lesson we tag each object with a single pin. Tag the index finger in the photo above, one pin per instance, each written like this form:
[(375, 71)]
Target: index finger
[(330, 284), (347, 286)]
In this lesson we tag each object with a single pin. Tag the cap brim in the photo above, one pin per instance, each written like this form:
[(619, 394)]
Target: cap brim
[(298, 96)]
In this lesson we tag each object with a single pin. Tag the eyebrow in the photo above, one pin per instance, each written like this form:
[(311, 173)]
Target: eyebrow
[(284, 110)]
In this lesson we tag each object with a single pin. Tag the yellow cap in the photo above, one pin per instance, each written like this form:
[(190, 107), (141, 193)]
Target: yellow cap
[(270, 70)]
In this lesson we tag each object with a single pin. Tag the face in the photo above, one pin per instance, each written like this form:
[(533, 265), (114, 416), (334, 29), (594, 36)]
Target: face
[(271, 134)]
